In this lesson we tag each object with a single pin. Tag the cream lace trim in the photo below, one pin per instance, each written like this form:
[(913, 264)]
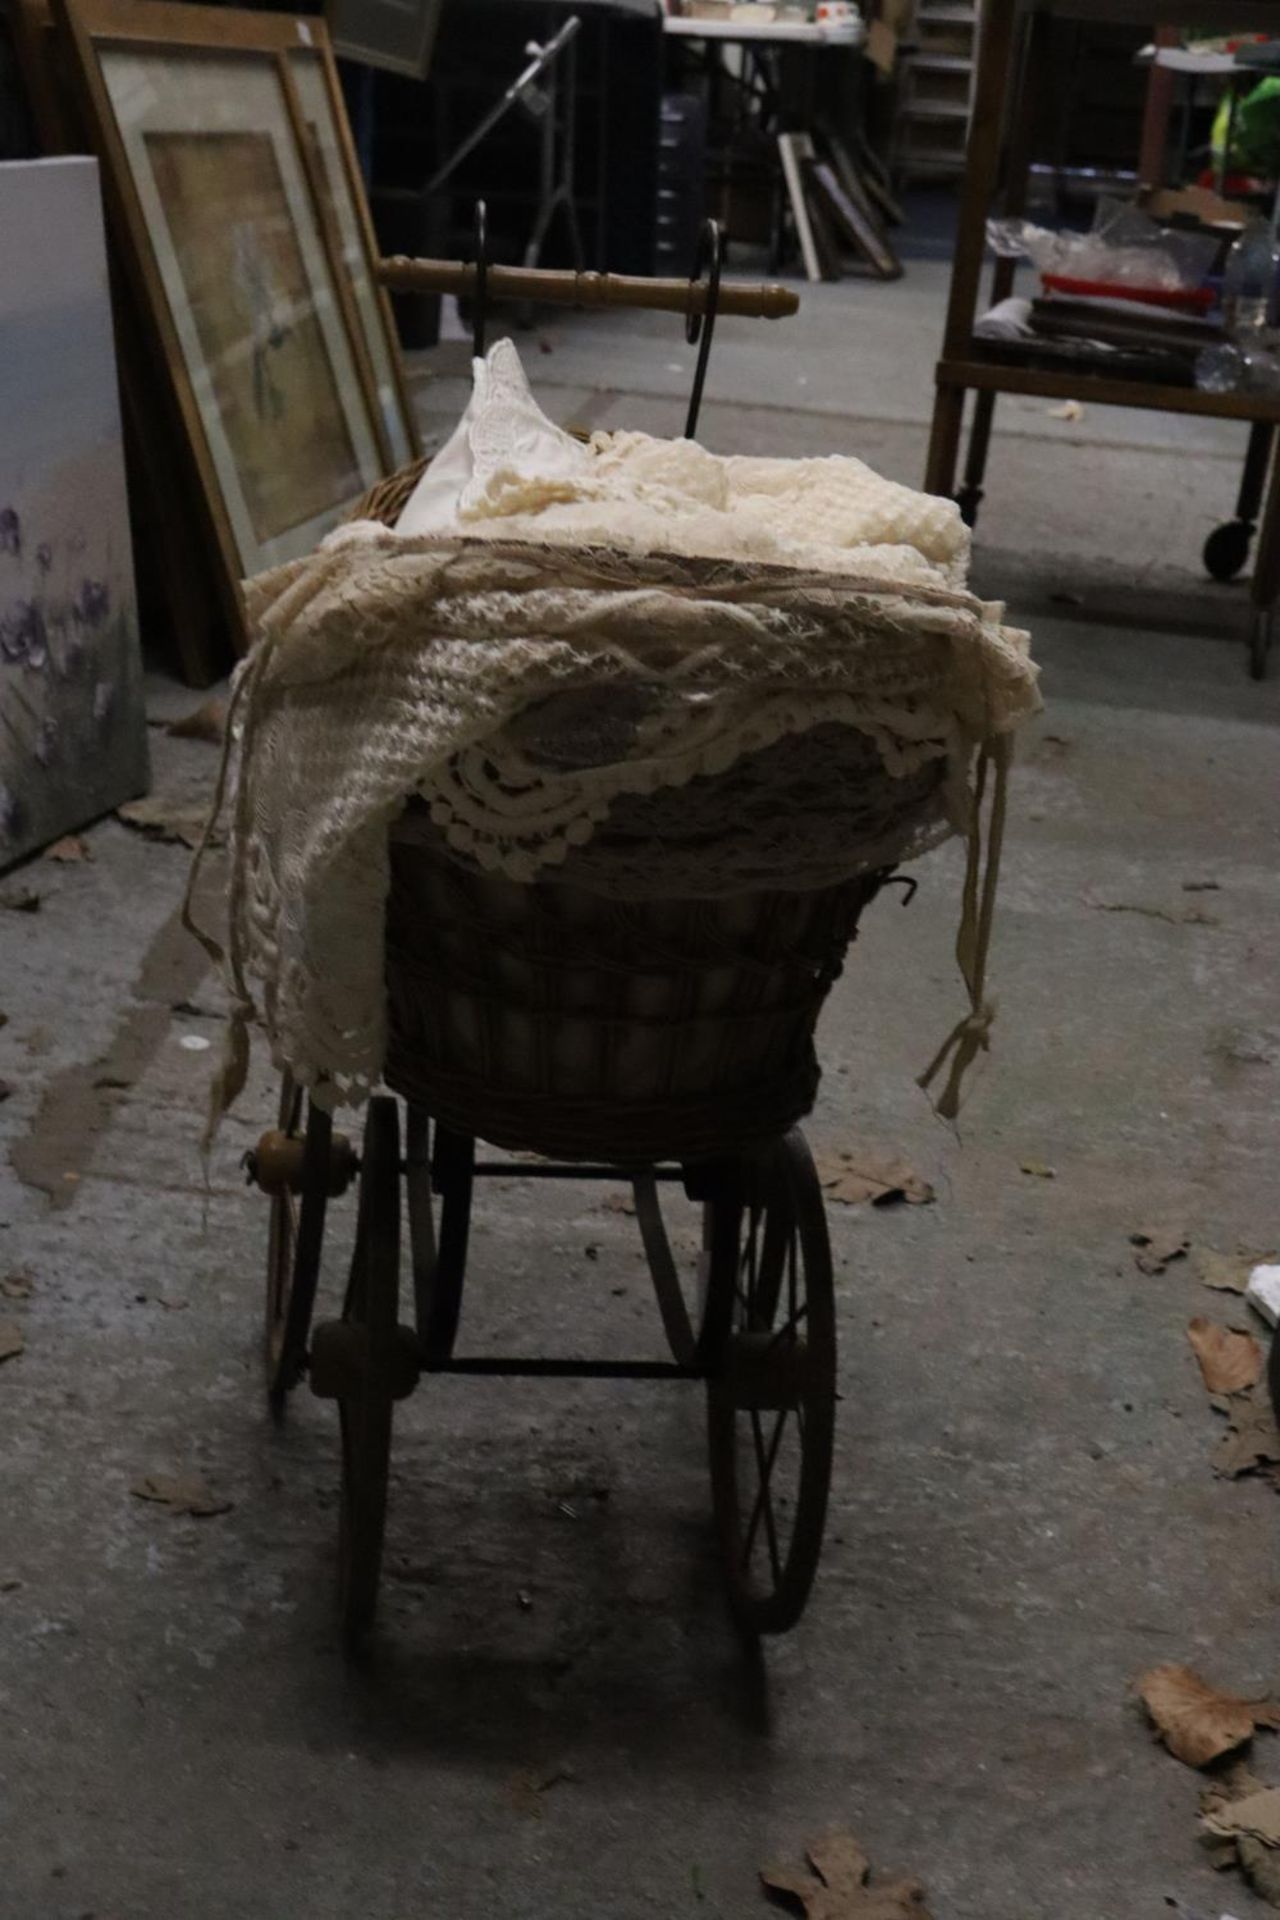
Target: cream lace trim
[(385, 666)]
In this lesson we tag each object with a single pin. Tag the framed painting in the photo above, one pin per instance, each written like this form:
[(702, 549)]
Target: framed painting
[(72, 725), (232, 191), (321, 111), (180, 611)]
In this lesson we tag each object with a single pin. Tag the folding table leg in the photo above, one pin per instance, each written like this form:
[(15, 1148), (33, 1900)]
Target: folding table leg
[(970, 494), (1265, 586), (944, 441)]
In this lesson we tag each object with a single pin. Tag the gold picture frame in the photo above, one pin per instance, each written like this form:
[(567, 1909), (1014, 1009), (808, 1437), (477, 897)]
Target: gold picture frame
[(233, 197)]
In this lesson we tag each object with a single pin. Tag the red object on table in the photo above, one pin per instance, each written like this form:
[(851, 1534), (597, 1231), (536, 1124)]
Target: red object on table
[(1181, 299)]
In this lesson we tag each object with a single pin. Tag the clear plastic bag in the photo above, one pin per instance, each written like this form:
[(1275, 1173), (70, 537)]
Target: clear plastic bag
[(1125, 247)]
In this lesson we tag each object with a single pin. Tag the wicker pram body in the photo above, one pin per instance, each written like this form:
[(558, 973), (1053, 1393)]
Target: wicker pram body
[(554, 1018), (549, 1018)]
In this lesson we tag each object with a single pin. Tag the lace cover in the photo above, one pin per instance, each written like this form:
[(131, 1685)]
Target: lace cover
[(580, 654)]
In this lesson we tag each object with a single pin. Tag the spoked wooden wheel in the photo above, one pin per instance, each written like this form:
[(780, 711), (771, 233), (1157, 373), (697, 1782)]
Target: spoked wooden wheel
[(370, 1345), (439, 1177), (771, 1398), (282, 1238), (296, 1235)]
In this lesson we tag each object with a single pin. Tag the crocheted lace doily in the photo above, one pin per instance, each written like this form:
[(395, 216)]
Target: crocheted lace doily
[(568, 664)]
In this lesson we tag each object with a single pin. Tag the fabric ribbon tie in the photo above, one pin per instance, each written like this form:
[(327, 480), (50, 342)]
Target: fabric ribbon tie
[(972, 1034), (233, 1069), (966, 1040)]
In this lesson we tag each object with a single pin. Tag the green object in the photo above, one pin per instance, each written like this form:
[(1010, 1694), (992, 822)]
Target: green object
[(1255, 138)]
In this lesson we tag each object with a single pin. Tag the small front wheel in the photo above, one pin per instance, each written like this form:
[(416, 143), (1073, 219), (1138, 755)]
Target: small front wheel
[(771, 1397), (969, 499), (1227, 549), (296, 1239)]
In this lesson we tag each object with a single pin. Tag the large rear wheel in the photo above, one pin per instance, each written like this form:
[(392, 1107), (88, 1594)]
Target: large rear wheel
[(439, 1178), (771, 1397), (293, 1165)]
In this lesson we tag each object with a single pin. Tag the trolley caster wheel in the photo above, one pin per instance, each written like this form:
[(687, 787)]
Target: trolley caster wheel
[(771, 1397), (1260, 643), (1227, 549), (969, 499), (375, 1346), (296, 1236)]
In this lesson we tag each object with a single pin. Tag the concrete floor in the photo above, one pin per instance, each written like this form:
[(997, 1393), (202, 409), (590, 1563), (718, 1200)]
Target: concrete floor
[(1024, 1515)]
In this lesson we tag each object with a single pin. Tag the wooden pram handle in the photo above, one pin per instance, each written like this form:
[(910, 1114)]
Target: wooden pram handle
[(538, 284)]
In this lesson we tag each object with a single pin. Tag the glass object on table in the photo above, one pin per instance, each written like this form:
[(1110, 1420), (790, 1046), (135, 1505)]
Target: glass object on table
[(1248, 358)]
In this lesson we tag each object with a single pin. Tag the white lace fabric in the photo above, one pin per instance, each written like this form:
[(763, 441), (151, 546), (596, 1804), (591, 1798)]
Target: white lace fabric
[(578, 633)]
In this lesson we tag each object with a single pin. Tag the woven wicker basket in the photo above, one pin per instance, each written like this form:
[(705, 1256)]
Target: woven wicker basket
[(549, 1017)]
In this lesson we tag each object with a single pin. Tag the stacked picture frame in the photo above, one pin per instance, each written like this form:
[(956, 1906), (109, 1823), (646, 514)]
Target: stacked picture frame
[(264, 383), (841, 211)]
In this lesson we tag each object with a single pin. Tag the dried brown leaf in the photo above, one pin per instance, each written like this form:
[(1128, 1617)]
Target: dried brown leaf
[(169, 821), (619, 1202), (1224, 1272), (1261, 1865), (854, 1175), (17, 1286), (1235, 1781), (11, 1340), (181, 1493), (528, 1787), (1196, 1722), (69, 850), (1230, 1361), (1038, 1170), (1257, 1814), (20, 900), (1251, 1443), (1158, 1245), (208, 722), (837, 1885)]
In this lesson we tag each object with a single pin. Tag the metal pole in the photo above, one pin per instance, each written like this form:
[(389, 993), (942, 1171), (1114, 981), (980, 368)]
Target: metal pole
[(542, 59)]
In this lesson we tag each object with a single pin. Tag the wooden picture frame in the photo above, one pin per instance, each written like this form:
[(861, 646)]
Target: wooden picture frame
[(240, 214), (313, 77), (854, 220), (179, 602), (794, 150)]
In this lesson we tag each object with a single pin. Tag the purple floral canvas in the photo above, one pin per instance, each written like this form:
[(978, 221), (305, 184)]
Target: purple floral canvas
[(72, 723)]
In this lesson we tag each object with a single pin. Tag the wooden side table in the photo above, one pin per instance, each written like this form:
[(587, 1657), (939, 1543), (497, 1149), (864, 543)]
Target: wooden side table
[(1011, 80)]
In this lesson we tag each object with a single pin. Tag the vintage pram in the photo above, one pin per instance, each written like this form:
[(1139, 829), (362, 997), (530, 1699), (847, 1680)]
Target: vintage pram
[(657, 1040)]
